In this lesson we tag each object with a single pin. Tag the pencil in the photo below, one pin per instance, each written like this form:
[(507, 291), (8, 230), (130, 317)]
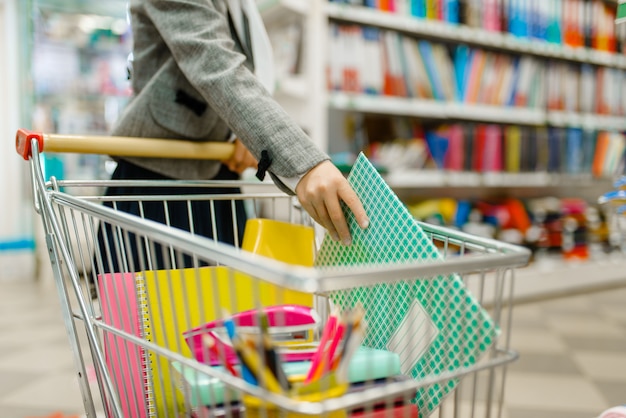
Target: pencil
[(327, 357), (265, 377), (327, 333), (355, 320), (246, 371), (219, 352), (272, 358)]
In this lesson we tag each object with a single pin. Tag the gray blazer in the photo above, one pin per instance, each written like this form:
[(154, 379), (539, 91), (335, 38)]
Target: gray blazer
[(192, 80)]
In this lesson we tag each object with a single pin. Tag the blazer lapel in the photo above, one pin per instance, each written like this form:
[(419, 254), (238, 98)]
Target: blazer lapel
[(239, 27)]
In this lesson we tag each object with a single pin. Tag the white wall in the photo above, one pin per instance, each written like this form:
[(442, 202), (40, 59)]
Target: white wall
[(15, 213)]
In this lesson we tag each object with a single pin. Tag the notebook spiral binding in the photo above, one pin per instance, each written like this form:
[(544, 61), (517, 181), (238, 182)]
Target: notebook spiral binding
[(145, 357)]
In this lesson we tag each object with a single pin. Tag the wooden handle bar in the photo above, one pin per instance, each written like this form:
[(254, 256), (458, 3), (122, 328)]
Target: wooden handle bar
[(122, 146)]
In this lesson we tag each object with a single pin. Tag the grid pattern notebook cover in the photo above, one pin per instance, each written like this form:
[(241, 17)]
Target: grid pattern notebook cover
[(435, 325)]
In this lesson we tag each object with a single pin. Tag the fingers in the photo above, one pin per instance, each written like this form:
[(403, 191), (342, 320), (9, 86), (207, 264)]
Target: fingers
[(336, 220), (320, 191), (241, 159), (350, 198), (319, 213)]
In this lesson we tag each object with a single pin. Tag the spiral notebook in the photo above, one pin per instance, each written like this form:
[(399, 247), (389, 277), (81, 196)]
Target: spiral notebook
[(125, 361), (158, 306), (434, 325)]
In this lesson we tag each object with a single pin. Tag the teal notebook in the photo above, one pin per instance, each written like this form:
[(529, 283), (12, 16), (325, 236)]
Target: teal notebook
[(434, 325), (366, 364)]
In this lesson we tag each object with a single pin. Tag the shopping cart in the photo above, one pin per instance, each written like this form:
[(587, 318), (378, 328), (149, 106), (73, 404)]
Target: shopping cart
[(158, 286)]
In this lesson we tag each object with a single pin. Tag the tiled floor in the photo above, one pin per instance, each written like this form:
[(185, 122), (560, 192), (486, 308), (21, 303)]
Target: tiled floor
[(573, 356)]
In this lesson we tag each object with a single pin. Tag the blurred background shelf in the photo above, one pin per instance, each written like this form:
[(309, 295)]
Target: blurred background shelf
[(480, 37), (416, 184), (552, 278)]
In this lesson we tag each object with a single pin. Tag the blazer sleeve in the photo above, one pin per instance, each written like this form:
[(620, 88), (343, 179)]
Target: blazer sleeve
[(198, 37)]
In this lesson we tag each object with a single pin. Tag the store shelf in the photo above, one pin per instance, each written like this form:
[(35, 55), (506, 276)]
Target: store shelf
[(114, 8), (436, 179), (448, 32), (497, 114), (434, 109), (387, 105), (552, 277), (424, 108), (414, 185), (557, 277), (586, 120)]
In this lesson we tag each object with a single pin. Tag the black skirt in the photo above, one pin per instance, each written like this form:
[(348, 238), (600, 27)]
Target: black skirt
[(128, 256)]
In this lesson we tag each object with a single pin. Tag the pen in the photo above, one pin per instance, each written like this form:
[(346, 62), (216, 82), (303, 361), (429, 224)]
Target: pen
[(265, 377), (219, 352), (272, 358), (327, 358), (327, 333), (246, 372), (355, 320)]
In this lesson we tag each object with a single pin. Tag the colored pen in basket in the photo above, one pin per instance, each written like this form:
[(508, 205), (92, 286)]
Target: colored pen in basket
[(354, 321), (251, 352), (246, 372), (351, 344), (272, 358), (218, 352), (327, 333), (327, 357)]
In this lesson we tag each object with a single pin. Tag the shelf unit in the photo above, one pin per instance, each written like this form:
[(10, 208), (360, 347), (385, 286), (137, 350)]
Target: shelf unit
[(414, 185), (555, 277), (472, 112), (299, 87), (458, 34), (550, 278), (306, 97), (435, 109)]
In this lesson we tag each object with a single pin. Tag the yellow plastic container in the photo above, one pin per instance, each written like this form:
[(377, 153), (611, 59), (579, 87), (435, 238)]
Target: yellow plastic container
[(282, 241), (286, 242)]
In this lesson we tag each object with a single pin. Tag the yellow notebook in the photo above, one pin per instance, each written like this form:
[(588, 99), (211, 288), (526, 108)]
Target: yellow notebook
[(179, 300)]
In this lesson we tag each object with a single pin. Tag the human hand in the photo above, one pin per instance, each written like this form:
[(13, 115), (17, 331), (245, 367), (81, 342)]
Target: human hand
[(320, 191), (241, 159)]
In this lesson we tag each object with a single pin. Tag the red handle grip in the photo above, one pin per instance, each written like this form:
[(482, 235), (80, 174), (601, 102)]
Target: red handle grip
[(23, 140)]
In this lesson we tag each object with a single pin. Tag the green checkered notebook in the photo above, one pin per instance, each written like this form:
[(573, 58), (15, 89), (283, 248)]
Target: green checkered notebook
[(434, 325)]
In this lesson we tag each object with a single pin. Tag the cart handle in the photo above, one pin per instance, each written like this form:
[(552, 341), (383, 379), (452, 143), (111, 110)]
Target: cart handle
[(122, 146)]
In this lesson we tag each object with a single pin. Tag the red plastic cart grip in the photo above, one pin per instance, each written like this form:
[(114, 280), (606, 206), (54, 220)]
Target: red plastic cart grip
[(23, 140)]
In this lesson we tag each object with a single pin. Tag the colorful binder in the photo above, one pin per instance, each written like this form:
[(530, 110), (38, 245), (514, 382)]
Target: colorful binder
[(435, 325)]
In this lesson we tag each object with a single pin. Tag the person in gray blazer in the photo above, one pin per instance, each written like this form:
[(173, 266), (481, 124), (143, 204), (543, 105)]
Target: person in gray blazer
[(193, 78)]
